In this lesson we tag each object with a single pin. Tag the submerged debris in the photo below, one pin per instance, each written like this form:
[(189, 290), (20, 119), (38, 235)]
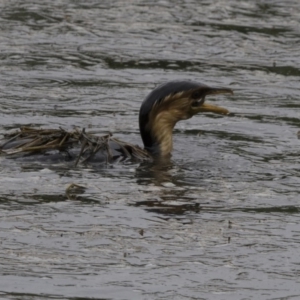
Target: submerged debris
[(73, 190), (29, 140)]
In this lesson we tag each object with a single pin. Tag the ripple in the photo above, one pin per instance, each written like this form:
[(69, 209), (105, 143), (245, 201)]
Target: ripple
[(221, 219)]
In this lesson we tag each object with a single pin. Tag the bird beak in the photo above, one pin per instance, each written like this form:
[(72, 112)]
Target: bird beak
[(213, 108)]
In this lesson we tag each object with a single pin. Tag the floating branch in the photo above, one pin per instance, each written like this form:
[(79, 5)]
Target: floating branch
[(30, 140)]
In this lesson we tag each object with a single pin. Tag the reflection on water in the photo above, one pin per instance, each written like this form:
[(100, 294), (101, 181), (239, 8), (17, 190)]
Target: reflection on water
[(220, 220)]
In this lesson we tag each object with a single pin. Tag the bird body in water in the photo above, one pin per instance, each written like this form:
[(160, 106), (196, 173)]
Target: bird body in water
[(160, 111)]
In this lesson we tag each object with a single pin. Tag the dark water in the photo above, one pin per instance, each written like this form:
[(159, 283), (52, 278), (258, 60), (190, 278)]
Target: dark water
[(222, 221)]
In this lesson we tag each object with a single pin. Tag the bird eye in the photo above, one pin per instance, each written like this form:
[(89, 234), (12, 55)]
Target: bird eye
[(196, 95)]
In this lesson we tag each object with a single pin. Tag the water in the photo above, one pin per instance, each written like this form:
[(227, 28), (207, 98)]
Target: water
[(222, 220)]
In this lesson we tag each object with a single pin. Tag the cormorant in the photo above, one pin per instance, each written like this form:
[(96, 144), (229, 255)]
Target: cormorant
[(160, 111)]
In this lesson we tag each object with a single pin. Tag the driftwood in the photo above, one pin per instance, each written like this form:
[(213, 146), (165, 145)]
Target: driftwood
[(29, 140)]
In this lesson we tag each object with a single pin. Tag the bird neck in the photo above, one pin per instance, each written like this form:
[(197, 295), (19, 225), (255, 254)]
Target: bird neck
[(158, 134)]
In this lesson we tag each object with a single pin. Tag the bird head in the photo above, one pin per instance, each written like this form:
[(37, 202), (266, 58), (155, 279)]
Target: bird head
[(169, 103)]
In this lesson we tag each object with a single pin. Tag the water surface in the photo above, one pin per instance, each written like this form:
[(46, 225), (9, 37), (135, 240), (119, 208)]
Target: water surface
[(221, 221)]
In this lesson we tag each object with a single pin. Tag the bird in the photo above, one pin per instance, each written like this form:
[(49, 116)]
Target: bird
[(164, 106)]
